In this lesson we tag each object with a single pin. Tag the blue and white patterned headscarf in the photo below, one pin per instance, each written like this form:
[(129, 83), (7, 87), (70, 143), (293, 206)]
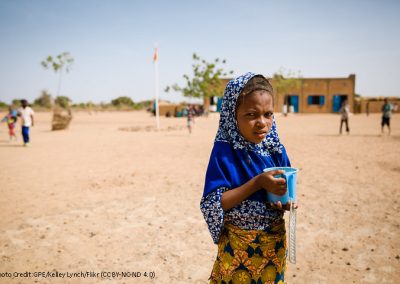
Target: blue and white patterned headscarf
[(233, 162), (228, 130)]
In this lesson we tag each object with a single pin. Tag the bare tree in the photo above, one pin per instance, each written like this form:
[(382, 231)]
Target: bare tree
[(59, 64)]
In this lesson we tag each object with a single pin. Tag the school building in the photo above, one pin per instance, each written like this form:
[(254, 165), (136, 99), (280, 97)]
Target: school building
[(311, 95)]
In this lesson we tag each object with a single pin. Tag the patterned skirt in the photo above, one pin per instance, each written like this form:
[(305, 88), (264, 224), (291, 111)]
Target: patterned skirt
[(250, 256)]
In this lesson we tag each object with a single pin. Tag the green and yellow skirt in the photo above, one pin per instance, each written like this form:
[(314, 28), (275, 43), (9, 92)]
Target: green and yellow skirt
[(250, 256)]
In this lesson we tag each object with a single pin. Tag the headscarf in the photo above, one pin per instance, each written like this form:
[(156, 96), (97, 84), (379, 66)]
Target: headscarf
[(228, 130)]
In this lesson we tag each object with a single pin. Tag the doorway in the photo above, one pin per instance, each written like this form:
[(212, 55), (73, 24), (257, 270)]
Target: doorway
[(337, 101), (292, 101)]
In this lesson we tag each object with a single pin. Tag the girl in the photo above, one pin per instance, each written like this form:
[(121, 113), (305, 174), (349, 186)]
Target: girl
[(250, 233), (11, 119)]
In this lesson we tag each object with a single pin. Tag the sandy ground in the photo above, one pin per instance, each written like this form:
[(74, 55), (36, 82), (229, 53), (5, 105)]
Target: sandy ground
[(97, 198)]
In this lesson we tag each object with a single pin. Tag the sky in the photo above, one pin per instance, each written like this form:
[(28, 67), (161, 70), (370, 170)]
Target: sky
[(112, 43)]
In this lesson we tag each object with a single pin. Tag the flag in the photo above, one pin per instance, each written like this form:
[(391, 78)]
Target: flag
[(155, 55)]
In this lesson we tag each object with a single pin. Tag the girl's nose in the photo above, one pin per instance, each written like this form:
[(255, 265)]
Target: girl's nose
[(261, 122)]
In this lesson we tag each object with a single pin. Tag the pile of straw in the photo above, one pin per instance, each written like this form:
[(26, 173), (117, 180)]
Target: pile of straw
[(60, 120)]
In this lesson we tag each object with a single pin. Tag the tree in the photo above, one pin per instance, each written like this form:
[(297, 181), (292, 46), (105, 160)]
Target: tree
[(16, 102), (122, 101), (206, 80), (59, 63), (3, 105), (62, 101), (284, 81), (44, 100)]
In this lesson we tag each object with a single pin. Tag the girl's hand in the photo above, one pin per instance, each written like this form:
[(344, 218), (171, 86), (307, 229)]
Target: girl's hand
[(268, 182)]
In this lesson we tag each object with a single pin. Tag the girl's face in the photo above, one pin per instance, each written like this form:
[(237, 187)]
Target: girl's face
[(254, 116)]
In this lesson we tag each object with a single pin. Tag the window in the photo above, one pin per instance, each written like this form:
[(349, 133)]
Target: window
[(316, 100)]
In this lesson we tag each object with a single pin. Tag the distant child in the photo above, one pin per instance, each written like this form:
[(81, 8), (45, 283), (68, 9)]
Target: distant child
[(26, 114), (190, 119), (249, 231), (11, 119), (386, 115), (344, 116)]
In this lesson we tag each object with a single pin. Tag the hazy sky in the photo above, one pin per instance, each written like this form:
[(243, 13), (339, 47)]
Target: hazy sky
[(112, 42)]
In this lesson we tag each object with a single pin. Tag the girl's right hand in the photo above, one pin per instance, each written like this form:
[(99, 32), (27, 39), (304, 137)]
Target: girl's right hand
[(268, 182)]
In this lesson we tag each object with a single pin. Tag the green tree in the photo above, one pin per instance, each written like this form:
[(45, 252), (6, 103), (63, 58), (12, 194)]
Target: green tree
[(16, 102), (62, 101), (206, 80), (3, 105), (59, 64), (44, 100), (122, 101), (284, 81)]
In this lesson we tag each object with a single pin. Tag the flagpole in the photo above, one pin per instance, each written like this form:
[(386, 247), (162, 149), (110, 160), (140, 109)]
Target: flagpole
[(156, 86)]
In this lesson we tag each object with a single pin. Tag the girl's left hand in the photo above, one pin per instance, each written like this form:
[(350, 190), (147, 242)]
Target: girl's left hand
[(279, 205)]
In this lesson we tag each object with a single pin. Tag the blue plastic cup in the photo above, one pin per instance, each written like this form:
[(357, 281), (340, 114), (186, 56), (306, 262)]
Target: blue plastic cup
[(290, 176)]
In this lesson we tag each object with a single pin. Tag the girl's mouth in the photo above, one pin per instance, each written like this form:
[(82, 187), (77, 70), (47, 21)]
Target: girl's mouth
[(260, 134)]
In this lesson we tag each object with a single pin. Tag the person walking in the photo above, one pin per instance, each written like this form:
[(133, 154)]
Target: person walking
[(344, 116), (26, 113)]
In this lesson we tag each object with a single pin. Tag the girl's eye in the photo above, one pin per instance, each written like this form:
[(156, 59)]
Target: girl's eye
[(250, 114), (268, 114)]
